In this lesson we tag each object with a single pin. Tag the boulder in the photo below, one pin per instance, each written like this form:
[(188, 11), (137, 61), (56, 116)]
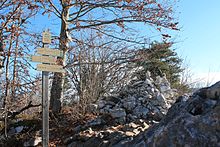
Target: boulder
[(33, 142), (212, 92), (141, 112), (194, 122), (118, 113), (129, 103)]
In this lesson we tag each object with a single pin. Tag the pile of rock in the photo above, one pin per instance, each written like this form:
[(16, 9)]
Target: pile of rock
[(140, 99), (191, 121), (134, 109)]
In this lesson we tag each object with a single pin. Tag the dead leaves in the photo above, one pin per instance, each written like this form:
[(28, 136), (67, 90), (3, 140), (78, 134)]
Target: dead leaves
[(128, 1), (166, 36)]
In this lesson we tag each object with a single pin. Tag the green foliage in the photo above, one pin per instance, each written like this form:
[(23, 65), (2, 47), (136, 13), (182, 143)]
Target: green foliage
[(159, 59)]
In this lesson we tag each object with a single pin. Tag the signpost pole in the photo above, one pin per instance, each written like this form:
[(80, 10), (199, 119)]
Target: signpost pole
[(45, 102), (45, 108), (49, 64)]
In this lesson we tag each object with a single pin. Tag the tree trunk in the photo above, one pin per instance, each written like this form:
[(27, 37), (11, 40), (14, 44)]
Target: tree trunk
[(2, 55), (58, 79), (14, 71), (7, 99), (56, 93)]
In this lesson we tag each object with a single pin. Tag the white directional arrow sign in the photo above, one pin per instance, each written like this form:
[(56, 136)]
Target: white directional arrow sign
[(50, 68), (43, 59), (51, 52)]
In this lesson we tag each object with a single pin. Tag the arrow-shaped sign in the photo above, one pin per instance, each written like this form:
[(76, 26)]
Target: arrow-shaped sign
[(43, 59), (51, 68), (51, 52)]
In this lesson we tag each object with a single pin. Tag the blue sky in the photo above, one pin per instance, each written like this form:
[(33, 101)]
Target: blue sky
[(200, 37), (198, 40)]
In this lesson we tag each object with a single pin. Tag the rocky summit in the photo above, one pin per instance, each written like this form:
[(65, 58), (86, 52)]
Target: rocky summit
[(191, 121), (145, 113), (140, 99), (195, 122)]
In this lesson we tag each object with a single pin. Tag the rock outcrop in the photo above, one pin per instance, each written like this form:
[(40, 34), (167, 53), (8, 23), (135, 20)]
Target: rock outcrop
[(138, 105), (145, 113), (191, 121), (140, 99)]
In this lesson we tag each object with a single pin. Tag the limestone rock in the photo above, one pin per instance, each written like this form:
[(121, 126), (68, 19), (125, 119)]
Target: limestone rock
[(118, 113), (95, 122), (195, 122), (141, 111), (33, 142), (128, 133), (139, 100), (212, 92), (101, 104), (134, 109), (129, 103), (133, 125)]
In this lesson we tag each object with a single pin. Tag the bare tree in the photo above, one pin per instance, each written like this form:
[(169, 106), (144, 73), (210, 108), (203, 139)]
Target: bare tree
[(103, 16), (14, 16), (97, 67)]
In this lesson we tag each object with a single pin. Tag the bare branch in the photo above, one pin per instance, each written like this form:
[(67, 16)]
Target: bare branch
[(55, 8), (12, 115)]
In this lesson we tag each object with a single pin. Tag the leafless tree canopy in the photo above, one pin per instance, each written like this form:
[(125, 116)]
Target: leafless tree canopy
[(98, 38)]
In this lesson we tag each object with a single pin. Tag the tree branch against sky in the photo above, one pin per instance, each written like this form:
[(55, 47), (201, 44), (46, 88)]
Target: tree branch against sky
[(14, 15), (105, 17)]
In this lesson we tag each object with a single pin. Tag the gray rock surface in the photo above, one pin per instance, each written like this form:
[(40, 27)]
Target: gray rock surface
[(117, 113), (195, 122), (191, 121), (33, 142), (140, 99)]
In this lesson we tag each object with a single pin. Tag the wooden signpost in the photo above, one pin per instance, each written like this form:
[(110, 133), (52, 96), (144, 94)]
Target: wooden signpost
[(43, 59), (51, 52), (51, 68), (46, 37), (48, 60)]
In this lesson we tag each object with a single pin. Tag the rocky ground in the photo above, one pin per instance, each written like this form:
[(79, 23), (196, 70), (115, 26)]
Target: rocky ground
[(141, 99), (143, 113), (191, 121)]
